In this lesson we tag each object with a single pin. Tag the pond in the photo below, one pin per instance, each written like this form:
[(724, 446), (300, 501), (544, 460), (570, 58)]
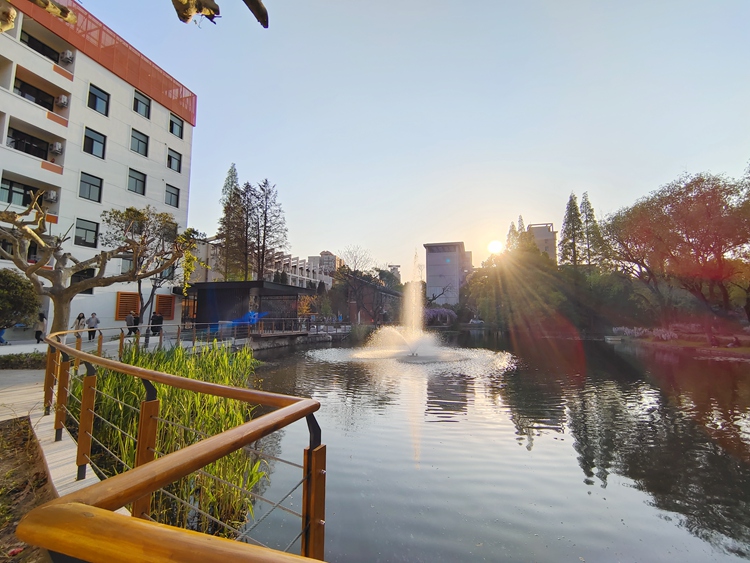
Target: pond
[(544, 451)]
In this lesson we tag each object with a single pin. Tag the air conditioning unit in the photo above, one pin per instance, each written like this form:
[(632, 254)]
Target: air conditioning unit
[(56, 148), (62, 101), (50, 196), (66, 57)]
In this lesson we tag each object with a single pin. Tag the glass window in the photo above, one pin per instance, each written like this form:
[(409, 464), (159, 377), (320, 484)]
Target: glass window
[(137, 182), (40, 47), (34, 94), (15, 193), (168, 274), (81, 276), (173, 196), (176, 125), (174, 160), (142, 104), (91, 187), (27, 143), (139, 142), (126, 264), (98, 100), (86, 233), (94, 143)]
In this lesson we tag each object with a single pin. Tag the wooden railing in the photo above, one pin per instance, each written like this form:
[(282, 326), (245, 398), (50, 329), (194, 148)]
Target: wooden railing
[(82, 525)]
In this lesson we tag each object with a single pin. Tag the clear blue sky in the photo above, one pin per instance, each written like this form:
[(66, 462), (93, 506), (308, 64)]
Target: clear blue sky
[(390, 124)]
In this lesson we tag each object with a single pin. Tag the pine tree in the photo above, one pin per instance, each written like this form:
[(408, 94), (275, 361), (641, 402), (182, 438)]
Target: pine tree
[(268, 226), (571, 234), (593, 242), (233, 229), (511, 240)]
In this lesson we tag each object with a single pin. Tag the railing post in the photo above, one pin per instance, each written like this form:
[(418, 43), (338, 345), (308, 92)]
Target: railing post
[(146, 443), (122, 343), (314, 503), (62, 396), (100, 343), (49, 377), (314, 494), (193, 335), (137, 338), (86, 420), (179, 334), (161, 337), (79, 343)]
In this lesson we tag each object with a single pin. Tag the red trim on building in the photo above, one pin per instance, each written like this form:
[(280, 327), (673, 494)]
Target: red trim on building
[(91, 37), (57, 119), (56, 168), (62, 72)]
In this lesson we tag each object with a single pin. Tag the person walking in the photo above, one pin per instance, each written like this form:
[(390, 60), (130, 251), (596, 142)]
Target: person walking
[(92, 323), (156, 322), (40, 328), (79, 324), (131, 323)]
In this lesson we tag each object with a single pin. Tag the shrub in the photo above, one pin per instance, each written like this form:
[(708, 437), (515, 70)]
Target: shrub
[(32, 360)]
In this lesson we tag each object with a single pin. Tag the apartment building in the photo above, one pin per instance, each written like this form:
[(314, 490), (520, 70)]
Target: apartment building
[(95, 125), (545, 238), (448, 264), (303, 272)]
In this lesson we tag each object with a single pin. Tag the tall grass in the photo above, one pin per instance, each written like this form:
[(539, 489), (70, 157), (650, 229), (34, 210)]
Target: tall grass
[(198, 415)]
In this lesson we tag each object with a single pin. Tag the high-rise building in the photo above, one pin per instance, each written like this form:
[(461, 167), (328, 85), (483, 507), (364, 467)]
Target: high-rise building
[(545, 238), (448, 265), (95, 125)]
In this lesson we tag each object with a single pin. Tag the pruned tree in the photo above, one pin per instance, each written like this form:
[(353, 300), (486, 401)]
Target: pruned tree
[(52, 273), (18, 300)]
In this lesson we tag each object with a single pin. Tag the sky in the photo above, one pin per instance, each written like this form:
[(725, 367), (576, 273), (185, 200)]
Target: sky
[(387, 125)]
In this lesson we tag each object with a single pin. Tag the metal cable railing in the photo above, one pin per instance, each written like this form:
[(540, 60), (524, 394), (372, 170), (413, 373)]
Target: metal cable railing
[(63, 383)]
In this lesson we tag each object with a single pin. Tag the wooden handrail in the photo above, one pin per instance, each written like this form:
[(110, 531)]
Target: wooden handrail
[(81, 525), (86, 532)]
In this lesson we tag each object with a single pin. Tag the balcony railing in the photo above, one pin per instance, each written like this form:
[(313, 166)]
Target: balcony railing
[(83, 526)]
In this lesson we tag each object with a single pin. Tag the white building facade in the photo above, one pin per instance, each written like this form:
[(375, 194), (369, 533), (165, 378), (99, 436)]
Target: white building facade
[(95, 125), (545, 238), (448, 264)]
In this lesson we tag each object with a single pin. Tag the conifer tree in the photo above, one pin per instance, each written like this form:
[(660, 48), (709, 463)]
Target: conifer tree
[(511, 240), (571, 234), (233, 229), (593, 242)]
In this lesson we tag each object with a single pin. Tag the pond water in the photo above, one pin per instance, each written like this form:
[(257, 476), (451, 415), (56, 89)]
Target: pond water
[(546, 451)]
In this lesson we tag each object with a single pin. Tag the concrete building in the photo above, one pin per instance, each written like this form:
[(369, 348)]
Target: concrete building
[(448, 264), (545, 238), (95, 125), (303, 272)]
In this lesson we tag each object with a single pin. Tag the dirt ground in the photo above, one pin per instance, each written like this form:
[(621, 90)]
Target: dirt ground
[(23, 485)]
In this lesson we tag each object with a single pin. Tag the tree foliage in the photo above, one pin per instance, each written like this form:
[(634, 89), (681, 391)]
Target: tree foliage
[(571, 234), (18, 300)]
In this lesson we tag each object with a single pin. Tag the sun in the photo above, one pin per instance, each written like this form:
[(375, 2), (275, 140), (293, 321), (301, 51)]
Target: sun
[(495, 247)]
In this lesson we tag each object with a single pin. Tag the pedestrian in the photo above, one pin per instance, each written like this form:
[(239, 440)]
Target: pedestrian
[(40, 328), (131, 323), (156, 321), (92, 322), (79, 324), (3, 342)]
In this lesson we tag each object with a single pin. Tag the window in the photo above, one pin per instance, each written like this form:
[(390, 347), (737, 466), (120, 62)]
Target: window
[(91, 187), (27, 143), (168, 274), (174, 160), (34, 94), (126, 302), (15, 193), (81, 276), (142, 104), (94, 143), (137, 182), (176, 125), (165, 306), (139, 142), (40, 47), (86, 233), (173, 196), (98, 100), (126, 264)]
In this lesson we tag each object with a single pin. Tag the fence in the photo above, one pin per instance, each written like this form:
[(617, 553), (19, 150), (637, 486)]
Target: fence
[(82, 525)]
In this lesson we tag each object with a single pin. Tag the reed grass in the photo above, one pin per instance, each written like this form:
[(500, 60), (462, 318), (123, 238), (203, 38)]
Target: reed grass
[(225, 500)]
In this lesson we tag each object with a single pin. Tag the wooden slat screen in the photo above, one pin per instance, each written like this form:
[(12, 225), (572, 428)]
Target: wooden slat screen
[(126, 302), (165, 306)]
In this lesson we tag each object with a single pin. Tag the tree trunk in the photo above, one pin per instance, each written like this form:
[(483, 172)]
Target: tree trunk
[(61, 314)]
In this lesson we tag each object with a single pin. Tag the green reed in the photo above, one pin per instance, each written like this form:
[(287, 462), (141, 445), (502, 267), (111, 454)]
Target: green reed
[(199, 414)]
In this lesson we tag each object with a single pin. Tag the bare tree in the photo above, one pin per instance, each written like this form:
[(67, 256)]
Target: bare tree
[(268, 225), (52, 273)]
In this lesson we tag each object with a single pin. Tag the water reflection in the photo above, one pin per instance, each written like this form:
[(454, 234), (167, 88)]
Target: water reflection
[(671, 432)]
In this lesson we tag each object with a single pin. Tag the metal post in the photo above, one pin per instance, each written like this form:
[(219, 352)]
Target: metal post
[(161, 337), (79, 343), (122, 343), (86, 422)]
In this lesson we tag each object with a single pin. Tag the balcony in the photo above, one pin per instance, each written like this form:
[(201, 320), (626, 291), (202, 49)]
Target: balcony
[(38, 143)]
